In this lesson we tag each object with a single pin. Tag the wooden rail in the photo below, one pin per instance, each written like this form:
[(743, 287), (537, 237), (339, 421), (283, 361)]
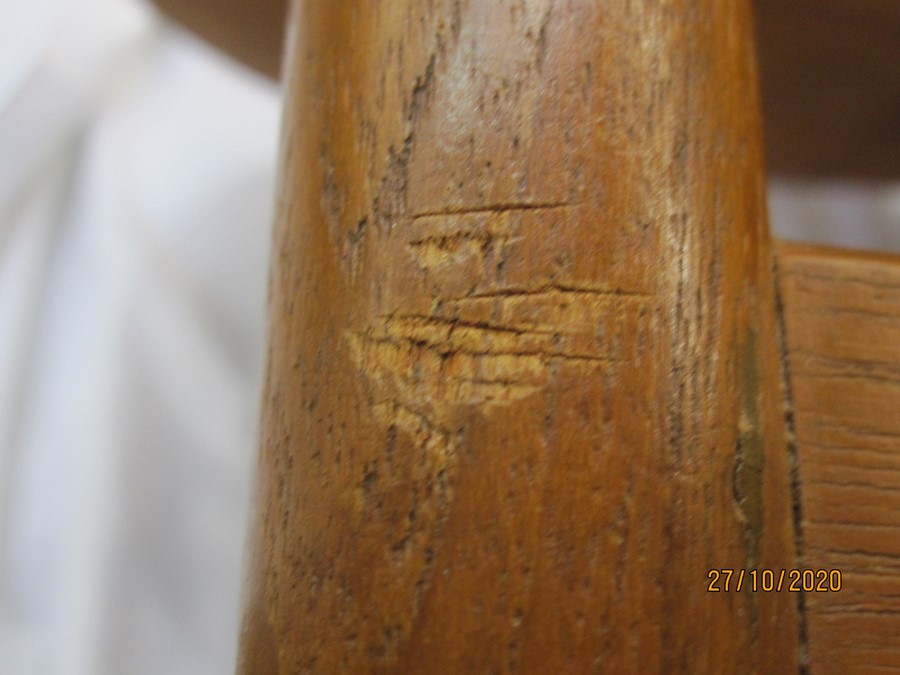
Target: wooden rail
[(842, 320)]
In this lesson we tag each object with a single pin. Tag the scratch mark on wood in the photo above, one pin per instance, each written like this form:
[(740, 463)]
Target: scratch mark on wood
[(559, 290), (504, 207)]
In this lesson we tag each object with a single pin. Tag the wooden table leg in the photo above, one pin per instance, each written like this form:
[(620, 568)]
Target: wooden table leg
[(524, 386)]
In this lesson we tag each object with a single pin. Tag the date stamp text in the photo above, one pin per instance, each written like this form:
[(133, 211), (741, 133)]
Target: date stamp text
[(768, 580)]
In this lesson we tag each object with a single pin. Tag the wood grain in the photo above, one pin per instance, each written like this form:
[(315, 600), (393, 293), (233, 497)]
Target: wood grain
[(523, 386), (830, 75), (842, 319)]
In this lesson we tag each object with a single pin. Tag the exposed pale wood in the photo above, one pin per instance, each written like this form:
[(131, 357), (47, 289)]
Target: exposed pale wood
[(842, 315), (523, 384)]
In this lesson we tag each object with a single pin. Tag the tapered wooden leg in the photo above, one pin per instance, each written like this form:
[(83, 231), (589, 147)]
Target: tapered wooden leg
[(524, 386)]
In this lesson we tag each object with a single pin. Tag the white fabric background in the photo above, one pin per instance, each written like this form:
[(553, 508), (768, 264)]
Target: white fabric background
[(136, 173), (136, 178)]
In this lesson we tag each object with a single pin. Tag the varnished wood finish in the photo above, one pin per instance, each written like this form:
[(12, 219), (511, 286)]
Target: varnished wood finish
[(523, 383), (842, 316), (830, 73)]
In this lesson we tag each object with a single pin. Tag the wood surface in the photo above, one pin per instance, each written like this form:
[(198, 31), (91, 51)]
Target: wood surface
[(524, 386), (842, 320), (830, 73)]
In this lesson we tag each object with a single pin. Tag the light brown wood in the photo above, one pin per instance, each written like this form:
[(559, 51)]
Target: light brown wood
[(523, 386), (842, 320)]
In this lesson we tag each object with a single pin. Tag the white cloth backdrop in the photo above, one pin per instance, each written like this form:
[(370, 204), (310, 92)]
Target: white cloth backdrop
[(136, 174), (136, 179)]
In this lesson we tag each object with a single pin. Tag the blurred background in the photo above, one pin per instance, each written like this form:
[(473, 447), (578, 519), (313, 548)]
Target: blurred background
[(137, 168)]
